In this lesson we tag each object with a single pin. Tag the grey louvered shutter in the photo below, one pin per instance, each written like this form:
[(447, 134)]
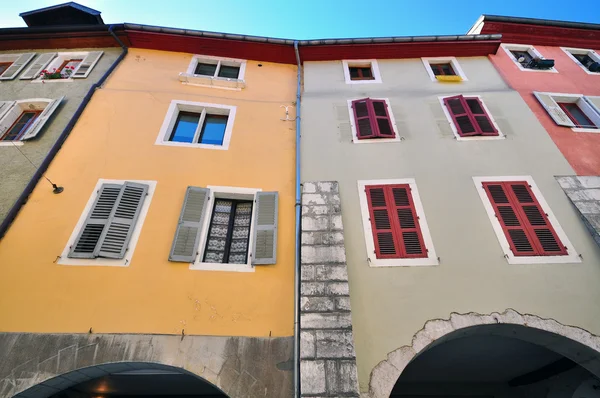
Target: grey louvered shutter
[(187, 236), (264, 250), (17, 66), (88, 63), (37, 66), (594, 103), (5, 107), (41, 120), (553, 109), (116, 236), (86, 244)]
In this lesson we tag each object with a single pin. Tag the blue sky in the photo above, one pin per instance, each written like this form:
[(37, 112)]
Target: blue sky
[(306, 19)]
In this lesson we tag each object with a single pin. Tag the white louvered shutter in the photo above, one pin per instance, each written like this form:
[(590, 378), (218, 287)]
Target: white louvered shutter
[(38, 66), (17, 66), (88, 63), (553, 109), (264, 250), (5, 107), (187, 236), (594, 103), (10, 116), (42, 119)]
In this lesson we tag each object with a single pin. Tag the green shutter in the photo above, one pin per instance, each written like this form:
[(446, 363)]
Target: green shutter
[(17, 66), (33, 72), (88, 63), (264, 248), (41, 120), (187, 236)]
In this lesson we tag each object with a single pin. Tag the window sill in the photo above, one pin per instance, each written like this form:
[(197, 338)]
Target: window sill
[(403, 262), (11, 143), (551, 70), (93, 262), (197, 266), (569, 258), (186, 145), (584, 130), (214, 82), (375, 140), (53, 81), (449, 79), (481, 138)]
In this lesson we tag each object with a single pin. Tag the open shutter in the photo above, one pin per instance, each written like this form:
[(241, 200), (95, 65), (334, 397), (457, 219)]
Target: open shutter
[(42, 119), (38, 66), (382, 119), (187, 236), (17, 66), (461, 116), (381, 215), (115, 237), (594, 102), (407, 222), (86, 244), (363, 121), (5, 106), (557, 114), (10, 116), (88, 63), (265, 228), (483, 120)]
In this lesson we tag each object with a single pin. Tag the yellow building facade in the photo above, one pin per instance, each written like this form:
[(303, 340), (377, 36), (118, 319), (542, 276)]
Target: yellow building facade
[(127, 134)]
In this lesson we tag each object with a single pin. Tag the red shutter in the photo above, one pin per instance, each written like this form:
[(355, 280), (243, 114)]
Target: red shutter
[(525, 225), (469, 116), (394, 221), (484, 123), (372, 119), (382, 119)]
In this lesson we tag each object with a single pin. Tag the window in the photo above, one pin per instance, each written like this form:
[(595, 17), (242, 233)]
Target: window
[(469, 118), (396, 231), (372, 120), (527, 58), (12, 64), (24, 119), (444, 69), (198, 125), (110, 225), (588, 60), (361, 71), (526, 228), (62, 66), (226, 73), (227, 229), (4, 66), (580, 112)]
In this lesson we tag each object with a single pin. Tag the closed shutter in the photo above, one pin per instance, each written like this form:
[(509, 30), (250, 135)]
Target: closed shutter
[(482, 119), (461, 116), (362, 119), (382, 119), (394, 222), (265, 228), (17, 66), (88, 63), (187, 236), (557, 114), (372, 119), (33, 72), (524, 222), (42, 119), (5, 106)]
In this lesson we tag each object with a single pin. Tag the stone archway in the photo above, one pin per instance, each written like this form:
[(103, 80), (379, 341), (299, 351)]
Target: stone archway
[(572, 342)]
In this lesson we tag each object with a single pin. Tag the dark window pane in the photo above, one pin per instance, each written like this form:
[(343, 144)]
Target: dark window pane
[(231, 72), (229, 232), (20, 126), (475, 106), (361, 109), (354, 74), (4, 66), (361, 73), (366, 73), (185, 127), (522, 54), (213, 130), (379, 107), (443, 69), (584, 59), (576, 115), (205, 69)]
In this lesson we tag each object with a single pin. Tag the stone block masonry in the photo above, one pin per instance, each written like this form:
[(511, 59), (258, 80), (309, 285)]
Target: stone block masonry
[(327, 357), (584, 193)]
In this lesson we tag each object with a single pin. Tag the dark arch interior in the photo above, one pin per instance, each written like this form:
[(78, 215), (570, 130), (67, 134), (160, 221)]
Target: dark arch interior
[(493, 365)]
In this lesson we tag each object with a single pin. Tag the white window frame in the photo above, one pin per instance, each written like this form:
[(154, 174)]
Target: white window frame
[(347, 63), (571, 257), (531, 50), (214, 81), (443, 60), (584, 106), (591, 53), (57, 62), (457, 136), (372, 140), (431, 258), (219, 192), (100, 261), (177, 106), (38, 104)]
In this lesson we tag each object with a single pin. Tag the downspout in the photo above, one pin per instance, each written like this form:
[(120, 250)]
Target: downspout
[(298, 237), (12, 213)]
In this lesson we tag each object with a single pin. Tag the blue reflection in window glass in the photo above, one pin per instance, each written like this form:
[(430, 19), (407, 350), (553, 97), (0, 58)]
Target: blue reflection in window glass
[(185, 127), (213, 130)]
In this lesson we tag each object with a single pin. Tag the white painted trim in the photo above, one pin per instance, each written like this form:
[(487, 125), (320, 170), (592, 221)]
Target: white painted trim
[(346, 63), (531, 50), (441, 60), (226, 193), (578, 99), (373, 140), (11, 143), (24, 106), (58, 60), (431, 258), (571, 257), (39, 80), (188, 77), (584, 130), (593, 54), (200, 107), (457, 136), (126, 261)]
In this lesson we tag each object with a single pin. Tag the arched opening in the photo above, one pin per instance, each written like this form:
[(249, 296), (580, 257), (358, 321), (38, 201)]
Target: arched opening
[(123, 379)]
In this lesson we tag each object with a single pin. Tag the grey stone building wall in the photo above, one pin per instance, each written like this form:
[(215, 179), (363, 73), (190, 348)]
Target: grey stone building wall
[(584, 192), (328, 361), (15, 169)]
